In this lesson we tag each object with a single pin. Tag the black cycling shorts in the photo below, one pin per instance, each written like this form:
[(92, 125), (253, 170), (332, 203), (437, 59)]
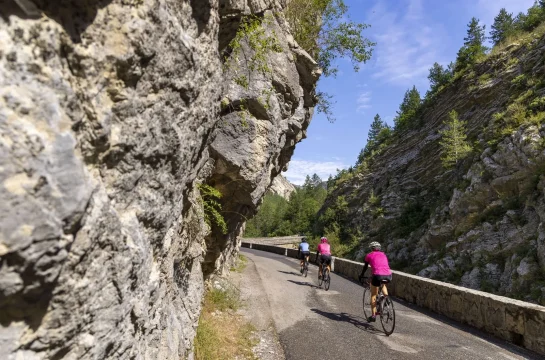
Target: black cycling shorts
[(303, 254), (376, 280), (325, 259)]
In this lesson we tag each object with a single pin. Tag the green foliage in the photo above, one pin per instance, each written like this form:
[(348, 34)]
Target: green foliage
[(453, 141), (520, 81), (279, 217), (531, 20), (324, 30), (439, 76), (379, 134), (253, 34), (224, 300), (414, 215), (209, 199), (484, 78), (221, 334), (408, 110), (269, 218), (473, 49), (240, 264), (504, 26), (376, 127)]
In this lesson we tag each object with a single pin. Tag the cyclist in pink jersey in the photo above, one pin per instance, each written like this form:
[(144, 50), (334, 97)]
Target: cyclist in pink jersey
[(381, 272), (324, 250)]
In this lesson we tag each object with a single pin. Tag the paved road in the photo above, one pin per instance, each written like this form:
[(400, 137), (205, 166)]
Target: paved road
[(315, 324)]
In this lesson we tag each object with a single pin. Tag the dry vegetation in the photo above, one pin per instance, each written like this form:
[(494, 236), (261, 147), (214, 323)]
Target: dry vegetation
[(222, 333)]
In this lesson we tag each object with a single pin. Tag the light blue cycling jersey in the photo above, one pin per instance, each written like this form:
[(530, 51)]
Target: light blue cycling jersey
[(304, 246)]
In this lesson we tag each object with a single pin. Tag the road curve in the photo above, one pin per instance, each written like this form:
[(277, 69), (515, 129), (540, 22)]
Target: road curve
[(312, 323)]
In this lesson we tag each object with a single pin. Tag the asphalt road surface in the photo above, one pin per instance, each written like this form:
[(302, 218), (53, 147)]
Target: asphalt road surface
[(316, 324)]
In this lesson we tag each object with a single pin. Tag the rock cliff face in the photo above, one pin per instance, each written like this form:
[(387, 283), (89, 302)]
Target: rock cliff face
[(480, 224), (109, 117), (281, 186)]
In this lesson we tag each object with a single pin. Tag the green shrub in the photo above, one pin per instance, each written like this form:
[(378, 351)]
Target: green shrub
[(209, 199), (414, 215)]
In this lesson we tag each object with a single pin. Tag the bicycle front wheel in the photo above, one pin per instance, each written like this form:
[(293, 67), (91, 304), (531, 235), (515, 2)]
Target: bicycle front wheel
[(388, 316), (327, 279), (367, 311), (320, 280)]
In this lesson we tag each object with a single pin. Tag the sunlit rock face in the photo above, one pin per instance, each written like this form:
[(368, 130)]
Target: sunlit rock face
[(480, 224)]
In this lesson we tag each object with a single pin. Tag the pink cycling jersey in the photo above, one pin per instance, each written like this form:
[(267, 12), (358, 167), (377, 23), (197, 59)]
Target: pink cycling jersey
[(378, 262), (324, 249)]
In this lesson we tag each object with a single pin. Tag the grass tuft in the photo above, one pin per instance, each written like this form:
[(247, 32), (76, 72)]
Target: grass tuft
[(240, 264), (223, 334)]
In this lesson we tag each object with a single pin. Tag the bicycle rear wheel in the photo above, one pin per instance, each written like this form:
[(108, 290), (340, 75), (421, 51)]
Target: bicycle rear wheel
[(367, 311), (388, 316), (327, 280), (305, 269)]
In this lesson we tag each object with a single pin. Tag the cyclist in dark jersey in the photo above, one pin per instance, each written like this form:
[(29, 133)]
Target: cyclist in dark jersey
[(303, 251), (381, 272)]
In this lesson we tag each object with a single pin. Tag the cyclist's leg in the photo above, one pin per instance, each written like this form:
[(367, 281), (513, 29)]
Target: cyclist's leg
[(374, 293), (384, 288)]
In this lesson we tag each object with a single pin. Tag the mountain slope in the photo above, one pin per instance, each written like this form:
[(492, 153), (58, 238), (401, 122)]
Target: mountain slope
[(480, 224)]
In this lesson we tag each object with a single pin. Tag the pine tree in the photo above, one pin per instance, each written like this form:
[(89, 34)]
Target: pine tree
[(376, 126), (503, 26), (473, 45), (438, 76), (453, 141), (408, 108)]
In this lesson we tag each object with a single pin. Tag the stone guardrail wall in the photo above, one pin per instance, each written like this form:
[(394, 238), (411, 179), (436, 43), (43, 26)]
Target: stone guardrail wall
[(516, 321), (279, 240)]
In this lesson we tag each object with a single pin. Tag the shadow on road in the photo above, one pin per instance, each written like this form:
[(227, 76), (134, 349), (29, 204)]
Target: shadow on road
[(290, 272), (306, 283), (357, 321)]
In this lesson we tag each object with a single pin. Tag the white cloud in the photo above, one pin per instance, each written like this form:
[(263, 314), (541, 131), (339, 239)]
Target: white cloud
[(363, 101), (299, 169), (406, 48)]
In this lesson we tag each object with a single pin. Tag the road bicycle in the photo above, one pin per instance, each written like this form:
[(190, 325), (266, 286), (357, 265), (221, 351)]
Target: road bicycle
[(304, 267), (385, 307), (326, 277)]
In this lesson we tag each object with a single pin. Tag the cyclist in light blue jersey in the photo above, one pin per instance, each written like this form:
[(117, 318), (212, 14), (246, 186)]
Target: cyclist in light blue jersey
[(303, 252)]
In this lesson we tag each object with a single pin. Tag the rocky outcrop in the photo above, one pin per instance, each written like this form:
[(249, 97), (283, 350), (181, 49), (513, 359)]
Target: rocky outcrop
[(109, 116), (478, 225), (281, 186)]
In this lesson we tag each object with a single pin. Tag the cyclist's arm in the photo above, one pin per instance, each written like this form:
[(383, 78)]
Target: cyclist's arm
[(365, 266)]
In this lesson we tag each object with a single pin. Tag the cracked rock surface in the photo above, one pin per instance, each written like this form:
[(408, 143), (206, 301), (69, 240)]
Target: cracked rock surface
[(109, 116)]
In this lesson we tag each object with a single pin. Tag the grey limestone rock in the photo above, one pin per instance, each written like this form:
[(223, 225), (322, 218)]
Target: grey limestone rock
[(109, 116)]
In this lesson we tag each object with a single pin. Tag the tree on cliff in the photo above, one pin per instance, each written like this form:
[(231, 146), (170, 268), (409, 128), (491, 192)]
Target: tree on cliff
[(473, 48), (533, 17), (453, 141), (504, 26), (324, 30), (439, 76), (376, 127), (408, 109)]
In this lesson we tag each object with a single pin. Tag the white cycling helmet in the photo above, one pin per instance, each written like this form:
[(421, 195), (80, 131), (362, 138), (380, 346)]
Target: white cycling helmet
[(375, 245)]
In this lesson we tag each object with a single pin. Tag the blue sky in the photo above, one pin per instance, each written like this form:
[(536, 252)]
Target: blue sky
[(411, 35)]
